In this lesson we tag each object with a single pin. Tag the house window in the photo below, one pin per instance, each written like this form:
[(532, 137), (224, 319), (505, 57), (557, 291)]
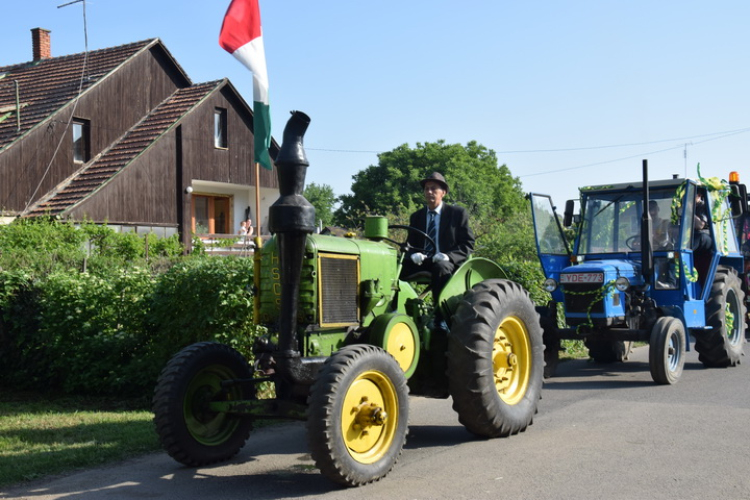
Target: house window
[(211, 214), (220, 128), (81, 141)]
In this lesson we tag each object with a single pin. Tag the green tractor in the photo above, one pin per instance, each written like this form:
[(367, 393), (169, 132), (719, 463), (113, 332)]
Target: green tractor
[(349, 341)]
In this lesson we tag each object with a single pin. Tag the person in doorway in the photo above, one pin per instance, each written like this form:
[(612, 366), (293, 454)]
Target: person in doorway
[(448, 225), (249, 226)]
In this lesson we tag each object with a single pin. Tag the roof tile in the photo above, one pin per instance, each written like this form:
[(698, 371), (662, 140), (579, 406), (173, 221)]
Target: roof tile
[(123, 152), (47, 85)]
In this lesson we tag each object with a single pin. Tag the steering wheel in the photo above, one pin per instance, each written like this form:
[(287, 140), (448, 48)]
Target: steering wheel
[(634, 242), (404, 246)]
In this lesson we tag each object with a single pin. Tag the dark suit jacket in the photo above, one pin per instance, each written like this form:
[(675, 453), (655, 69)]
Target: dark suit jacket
[(454, 234)]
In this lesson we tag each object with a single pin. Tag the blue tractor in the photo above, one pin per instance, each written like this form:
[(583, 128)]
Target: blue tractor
[(654, 262)]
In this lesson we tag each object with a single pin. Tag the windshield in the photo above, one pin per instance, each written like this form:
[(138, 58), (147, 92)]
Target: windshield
[(611, 222)]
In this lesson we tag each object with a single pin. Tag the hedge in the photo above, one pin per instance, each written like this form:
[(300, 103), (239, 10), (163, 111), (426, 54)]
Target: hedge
[(104, 317)]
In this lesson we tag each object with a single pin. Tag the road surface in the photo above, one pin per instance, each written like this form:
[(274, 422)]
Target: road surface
[(602, 431)]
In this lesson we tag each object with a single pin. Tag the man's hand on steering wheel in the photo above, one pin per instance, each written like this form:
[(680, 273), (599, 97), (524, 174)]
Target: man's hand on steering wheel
[(405, 246)]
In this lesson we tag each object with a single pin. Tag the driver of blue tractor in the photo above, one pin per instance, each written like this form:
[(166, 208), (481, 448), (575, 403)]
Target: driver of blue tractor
[(448, 225), (660, 228)]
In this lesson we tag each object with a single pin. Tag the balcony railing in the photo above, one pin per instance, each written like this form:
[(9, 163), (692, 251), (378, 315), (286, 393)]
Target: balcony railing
[(230, 244)]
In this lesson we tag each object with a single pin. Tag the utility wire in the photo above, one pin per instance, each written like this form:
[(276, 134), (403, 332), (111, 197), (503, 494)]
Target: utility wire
[(75, 101), (726, 133), (723, 134), (640, 155)]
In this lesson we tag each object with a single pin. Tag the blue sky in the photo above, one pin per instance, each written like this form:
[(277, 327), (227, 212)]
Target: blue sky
[(567, 93)]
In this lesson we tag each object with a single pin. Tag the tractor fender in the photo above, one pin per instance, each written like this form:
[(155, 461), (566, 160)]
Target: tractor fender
[(473, 271)]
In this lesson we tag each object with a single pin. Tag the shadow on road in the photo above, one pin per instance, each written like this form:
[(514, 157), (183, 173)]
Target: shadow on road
[(585, 374), (429, 436)]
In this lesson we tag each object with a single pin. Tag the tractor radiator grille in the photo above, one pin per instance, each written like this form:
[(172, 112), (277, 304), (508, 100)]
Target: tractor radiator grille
[(339, 282), (584, 298)]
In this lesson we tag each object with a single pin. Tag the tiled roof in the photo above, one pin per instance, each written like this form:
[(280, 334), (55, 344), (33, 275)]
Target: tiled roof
[(47, 85), (135, 142)]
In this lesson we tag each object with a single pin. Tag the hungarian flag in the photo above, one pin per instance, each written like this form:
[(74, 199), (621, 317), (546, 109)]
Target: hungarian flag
[(242, 37)]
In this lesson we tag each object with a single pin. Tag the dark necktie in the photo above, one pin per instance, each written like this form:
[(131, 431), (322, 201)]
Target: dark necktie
[(431, 231)]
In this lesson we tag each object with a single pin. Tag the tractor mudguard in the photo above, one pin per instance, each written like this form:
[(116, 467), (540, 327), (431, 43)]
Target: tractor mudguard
[(473, 271)]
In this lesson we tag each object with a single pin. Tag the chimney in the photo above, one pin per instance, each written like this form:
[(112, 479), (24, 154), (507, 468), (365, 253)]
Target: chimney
[(40, 41)]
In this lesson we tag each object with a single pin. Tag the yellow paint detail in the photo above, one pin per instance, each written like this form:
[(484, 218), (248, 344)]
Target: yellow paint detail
[(369, 417), (511, 360), (401, 345)]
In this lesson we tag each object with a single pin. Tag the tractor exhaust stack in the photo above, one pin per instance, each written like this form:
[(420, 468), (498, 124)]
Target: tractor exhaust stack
[(292, 218)]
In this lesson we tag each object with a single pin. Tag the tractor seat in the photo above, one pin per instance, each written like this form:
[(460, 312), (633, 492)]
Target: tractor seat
[(421, 277)]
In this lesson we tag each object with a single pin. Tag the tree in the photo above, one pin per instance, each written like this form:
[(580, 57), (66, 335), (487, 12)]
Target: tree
[(323, 199), (486, 190)]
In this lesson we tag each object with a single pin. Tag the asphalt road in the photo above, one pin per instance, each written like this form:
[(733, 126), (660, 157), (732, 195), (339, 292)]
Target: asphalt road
[(601, 432)]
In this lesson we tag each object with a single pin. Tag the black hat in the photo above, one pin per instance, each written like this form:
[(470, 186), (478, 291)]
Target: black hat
[(435, 177)]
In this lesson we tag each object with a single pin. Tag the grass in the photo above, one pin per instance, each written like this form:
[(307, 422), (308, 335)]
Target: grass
[(42, 436), (573, 349)]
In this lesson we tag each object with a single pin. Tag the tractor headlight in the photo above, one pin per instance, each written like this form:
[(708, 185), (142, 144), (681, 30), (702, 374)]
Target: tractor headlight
[(622, 284), (550, 285)]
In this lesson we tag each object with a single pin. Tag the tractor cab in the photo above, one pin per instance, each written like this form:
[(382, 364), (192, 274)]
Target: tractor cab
[(691, 234), (651, 261)]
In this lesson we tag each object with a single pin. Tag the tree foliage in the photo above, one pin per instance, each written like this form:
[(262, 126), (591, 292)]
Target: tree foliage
[(323, 199), (392, 186)]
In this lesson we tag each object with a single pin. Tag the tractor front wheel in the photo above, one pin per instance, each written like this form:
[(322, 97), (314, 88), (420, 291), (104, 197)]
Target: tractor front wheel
[(188, 429), (495, 359), (666, 352), (358, 415)]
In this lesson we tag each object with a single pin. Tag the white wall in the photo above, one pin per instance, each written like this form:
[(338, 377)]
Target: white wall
[(243, 196)]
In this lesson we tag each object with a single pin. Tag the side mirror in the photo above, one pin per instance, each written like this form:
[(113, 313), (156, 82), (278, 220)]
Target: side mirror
[(738, 199), (568, 214)]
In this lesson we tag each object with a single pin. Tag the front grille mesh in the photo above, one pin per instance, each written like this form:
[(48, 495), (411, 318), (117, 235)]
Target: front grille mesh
[(579, 298), (338, 290)]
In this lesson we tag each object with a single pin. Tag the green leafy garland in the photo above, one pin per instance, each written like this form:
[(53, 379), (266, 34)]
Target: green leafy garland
[(719, 191), (598, 295)]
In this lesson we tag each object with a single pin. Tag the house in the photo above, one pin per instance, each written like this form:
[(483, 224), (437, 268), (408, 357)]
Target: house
[(122, 136)]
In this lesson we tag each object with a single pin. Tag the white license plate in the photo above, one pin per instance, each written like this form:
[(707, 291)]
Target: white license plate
[(582, 278)]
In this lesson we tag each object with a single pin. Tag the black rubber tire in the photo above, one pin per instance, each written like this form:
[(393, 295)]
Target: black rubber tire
[(607, 351), (191, 434), (362, 454), (720, 346), (475, 346), (666, 355), (552, 343)]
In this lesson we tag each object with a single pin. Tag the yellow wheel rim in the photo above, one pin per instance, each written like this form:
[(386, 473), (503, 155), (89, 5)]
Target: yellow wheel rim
[(401, 345), (369, 417), (511, 360)]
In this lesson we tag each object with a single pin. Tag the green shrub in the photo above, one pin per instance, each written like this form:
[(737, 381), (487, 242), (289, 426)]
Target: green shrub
[(41, 246), (87, 333), (205, 299), (88, 336), (111, 329)]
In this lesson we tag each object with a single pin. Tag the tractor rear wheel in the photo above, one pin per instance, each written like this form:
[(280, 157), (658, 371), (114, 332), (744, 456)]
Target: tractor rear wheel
[(358, 415), (608, 351), (722, 344), (188, 429), (666, 354), (495, 359)]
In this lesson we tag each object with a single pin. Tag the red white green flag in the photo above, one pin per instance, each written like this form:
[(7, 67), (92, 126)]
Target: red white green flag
[(241, 36)]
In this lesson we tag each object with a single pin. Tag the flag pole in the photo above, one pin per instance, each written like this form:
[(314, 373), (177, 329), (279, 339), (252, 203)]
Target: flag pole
[(258, 245)]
